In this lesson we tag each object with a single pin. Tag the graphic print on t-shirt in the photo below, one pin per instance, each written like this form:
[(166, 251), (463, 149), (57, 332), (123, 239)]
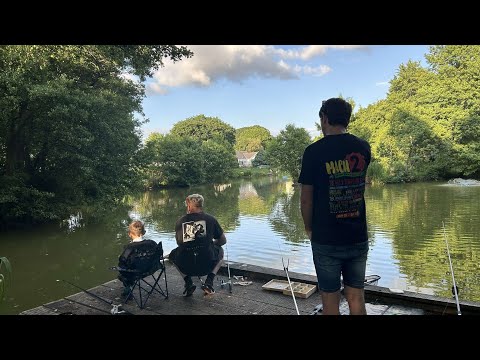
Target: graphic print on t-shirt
[(192, 228), (346, 185)]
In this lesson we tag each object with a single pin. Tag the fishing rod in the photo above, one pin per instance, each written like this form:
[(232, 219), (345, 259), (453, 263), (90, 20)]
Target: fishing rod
[(451, 269), (285, 268), (115, 308), (290, 284), (86, 305)]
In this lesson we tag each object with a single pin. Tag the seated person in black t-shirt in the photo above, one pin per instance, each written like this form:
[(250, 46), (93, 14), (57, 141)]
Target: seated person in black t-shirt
[(131, 258), (200, 238)]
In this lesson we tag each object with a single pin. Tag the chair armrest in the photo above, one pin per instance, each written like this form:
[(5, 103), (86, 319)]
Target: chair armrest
[(116, 268)]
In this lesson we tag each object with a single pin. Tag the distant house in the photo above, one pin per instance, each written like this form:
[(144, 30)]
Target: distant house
[(245, 158)]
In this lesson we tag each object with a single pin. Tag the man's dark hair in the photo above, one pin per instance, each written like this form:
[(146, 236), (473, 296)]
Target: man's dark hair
[(337, 110)]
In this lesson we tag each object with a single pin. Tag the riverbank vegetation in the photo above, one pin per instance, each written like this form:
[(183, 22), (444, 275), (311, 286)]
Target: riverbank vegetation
[(71, 117), (68, 130), (428, 127)]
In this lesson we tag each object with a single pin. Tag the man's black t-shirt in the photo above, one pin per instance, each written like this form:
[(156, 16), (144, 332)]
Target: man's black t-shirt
[(196, 232), (336, 166)]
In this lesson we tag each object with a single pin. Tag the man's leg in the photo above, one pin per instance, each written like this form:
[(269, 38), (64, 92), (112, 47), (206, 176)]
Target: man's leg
[(189, 286), (219, 259), (354, 278), (328, 268), (331, 303), (356, 300), (207, 287)]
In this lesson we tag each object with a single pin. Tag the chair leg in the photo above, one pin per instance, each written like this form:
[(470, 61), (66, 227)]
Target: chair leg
[(156, 285), (139, 299), (145, 292), (164, 270)]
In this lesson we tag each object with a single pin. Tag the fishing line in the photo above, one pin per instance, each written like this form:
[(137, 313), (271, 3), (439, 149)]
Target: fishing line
[(115, 308), (86, 305)]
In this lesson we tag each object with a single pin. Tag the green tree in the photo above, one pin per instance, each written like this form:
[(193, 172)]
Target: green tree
[(205, 128), (260, 159), (427, 127), (252, 138), (175, 160), (68, 128), (219, 161), (185, 161), (285, 151)]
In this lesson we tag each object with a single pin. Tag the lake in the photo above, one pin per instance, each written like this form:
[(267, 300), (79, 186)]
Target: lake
[(263, 223)]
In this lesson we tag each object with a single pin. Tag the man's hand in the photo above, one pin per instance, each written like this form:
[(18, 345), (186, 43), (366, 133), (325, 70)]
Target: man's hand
[(222, 240)]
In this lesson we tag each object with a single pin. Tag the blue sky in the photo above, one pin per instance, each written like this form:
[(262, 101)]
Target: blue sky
[(270, 85)]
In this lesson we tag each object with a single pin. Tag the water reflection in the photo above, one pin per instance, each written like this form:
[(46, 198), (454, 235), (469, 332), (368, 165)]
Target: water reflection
[(42, 255), (408, 218), (286, 217)]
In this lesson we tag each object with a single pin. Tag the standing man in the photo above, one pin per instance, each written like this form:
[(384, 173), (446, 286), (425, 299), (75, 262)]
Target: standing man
[(333, 208), (200, 239)]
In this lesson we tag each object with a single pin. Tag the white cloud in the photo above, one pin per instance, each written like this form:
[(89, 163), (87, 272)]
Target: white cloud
[(382, 83), (211, 63), (309, 52), (155, 88), (315, 71)]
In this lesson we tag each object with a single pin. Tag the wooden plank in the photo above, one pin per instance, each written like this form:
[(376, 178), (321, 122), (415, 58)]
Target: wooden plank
[(40, 310)]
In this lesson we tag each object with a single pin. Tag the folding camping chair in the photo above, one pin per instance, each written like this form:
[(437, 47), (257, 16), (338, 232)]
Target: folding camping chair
[(144, 260)]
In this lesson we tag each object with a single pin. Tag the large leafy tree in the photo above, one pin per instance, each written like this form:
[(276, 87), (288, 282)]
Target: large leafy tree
[(174, 160), (285, 151), (428, 127), (68, 133), (252, 138), (205, 128), (219, 161)]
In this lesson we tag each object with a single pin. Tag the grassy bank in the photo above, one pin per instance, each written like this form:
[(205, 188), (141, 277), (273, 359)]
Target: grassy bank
[(251, 172)]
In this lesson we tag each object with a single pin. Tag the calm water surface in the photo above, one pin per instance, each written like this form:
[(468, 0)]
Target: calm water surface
[(262, 221)]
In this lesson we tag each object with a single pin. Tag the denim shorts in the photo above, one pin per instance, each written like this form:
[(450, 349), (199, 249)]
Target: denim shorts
[(332, 260)]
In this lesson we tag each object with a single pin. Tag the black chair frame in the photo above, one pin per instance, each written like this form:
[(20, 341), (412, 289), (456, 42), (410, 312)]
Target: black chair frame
[(141, 289)]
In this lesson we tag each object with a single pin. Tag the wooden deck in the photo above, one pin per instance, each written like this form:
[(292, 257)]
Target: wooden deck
[(244, 300)]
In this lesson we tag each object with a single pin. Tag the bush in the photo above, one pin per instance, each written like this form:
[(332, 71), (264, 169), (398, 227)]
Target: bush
[(375, 173), (21, 204)]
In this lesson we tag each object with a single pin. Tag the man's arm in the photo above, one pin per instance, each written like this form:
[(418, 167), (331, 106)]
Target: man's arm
[(306, 201), (222, 240), (179, 235)]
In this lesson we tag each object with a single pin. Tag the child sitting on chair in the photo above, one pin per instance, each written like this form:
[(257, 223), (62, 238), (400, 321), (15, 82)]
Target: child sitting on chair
[(127, 259)]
